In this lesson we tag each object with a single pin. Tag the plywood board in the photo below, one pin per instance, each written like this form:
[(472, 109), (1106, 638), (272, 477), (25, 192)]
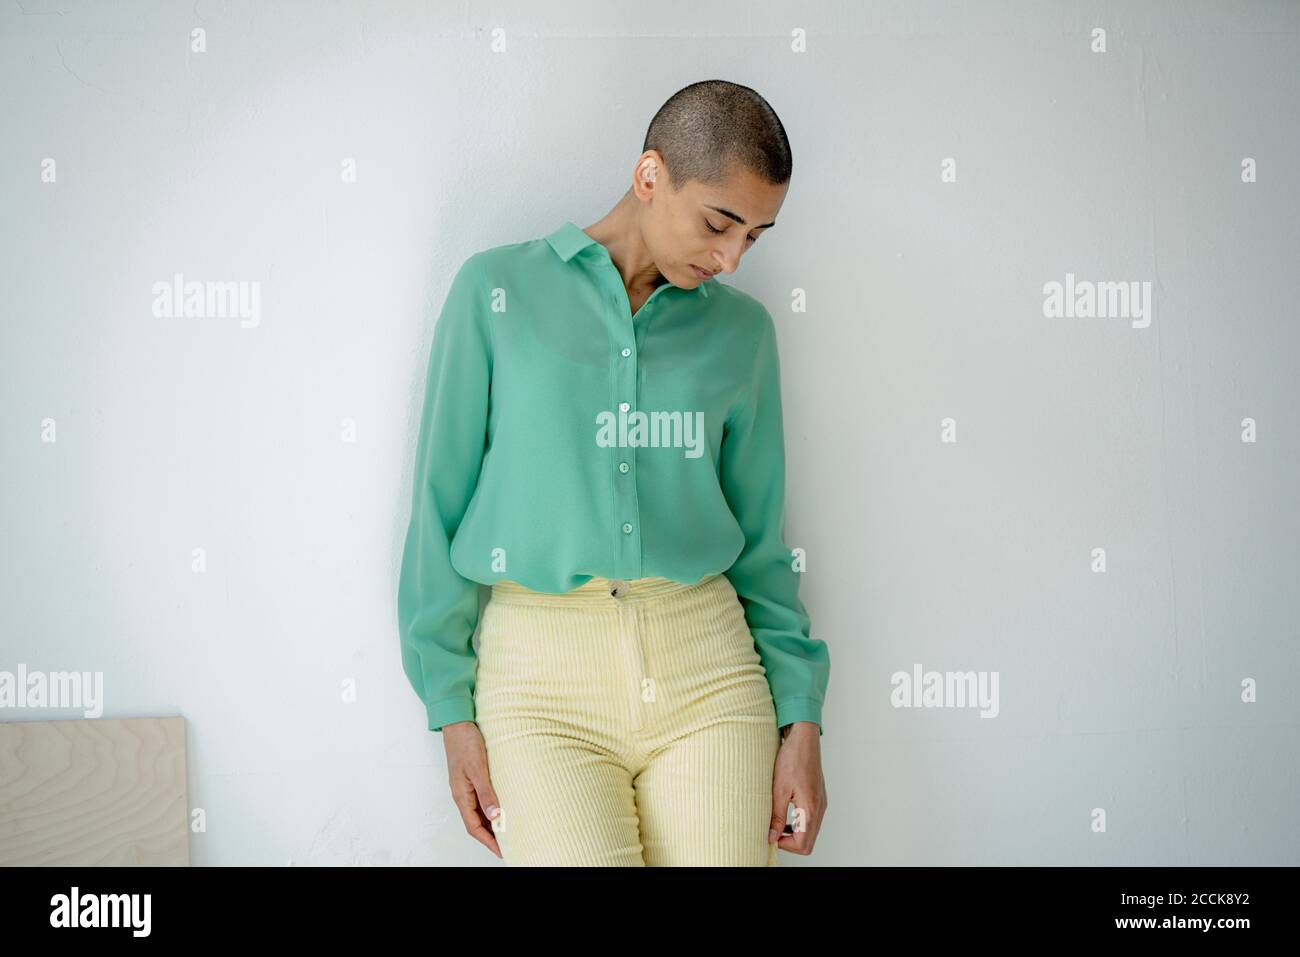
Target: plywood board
[(94, 792)]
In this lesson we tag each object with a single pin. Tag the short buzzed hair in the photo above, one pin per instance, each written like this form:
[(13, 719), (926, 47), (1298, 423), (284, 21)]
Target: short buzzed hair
[(706, 127)]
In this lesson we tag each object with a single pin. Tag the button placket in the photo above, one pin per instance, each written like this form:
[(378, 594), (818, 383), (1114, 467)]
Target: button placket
[(628, 548)]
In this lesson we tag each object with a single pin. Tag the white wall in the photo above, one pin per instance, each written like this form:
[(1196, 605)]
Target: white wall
[(1119, 691)]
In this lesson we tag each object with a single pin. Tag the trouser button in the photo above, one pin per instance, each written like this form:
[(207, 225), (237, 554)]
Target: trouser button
[(618, 587)]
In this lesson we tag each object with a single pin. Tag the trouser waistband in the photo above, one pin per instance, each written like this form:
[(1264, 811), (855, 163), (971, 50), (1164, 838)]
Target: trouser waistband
[(597, 591)]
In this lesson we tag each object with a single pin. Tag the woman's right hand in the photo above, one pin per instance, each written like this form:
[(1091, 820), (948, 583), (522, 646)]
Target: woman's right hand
[(471, 788)]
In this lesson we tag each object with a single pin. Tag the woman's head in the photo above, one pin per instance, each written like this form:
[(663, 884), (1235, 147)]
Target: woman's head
[(712, 175)]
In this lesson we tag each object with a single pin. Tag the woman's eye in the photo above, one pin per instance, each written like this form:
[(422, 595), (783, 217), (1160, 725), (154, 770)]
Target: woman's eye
[(713, 229)]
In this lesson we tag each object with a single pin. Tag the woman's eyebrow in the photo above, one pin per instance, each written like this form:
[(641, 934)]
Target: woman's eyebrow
[(730, 215)]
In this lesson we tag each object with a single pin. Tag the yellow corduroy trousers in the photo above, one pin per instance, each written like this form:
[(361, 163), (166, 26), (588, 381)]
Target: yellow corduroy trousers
[(627, 723)]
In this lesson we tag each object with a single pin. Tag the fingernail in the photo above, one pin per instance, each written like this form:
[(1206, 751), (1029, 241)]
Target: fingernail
[(772, 835), (492, 810)]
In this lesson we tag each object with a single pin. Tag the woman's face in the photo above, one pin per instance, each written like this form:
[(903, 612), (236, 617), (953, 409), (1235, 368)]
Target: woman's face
[(703, 230)]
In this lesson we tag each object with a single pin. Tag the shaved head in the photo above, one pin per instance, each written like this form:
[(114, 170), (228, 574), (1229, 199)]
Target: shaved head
[(708, 126)]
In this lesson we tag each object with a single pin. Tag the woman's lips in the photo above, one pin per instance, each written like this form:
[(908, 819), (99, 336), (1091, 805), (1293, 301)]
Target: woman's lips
[(701, 273)]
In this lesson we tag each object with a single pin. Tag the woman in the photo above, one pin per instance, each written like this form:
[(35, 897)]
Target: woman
[(601, 443)]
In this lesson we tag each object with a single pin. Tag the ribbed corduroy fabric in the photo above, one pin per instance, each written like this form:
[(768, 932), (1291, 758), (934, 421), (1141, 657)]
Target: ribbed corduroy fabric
[(635, 729)]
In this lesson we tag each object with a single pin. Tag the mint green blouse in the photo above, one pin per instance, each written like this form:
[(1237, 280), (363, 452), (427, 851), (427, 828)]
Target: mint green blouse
[(564, 438)]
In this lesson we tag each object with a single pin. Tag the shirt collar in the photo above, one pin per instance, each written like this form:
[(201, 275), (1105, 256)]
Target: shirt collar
[(569, 240)]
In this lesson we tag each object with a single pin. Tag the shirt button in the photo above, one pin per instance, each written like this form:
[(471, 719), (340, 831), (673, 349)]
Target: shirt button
[(627, 527), (623, 406), (622, 466), (627, 351)]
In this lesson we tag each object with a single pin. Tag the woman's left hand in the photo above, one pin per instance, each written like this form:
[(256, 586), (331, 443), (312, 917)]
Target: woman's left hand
[(797, 779)]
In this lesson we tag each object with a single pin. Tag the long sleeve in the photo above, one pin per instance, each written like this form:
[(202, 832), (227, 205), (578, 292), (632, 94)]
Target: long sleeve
[(752, 473), (437, 608)]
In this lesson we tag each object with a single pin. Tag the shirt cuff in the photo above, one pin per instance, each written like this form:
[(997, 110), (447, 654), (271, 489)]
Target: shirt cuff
[(790, 710), (449, 711)]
